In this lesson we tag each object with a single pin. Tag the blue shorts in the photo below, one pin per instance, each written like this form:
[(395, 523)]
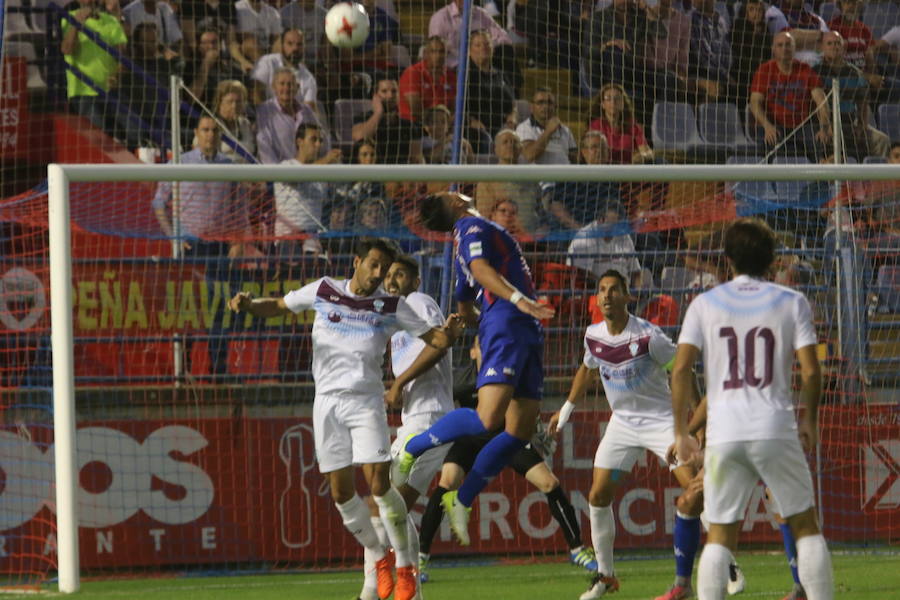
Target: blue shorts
[(513, 355)]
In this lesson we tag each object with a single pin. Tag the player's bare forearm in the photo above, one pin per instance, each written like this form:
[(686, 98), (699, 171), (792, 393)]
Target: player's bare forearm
[(426, 359), (441, 338), (258, 307), (810, 393), (496, 284), (698, 419), (584, 378), (684, 390)]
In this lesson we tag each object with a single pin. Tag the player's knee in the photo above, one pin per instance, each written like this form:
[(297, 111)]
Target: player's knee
[(689, 504), (340, 495), (804, 524), (547, 484), (600, 497)]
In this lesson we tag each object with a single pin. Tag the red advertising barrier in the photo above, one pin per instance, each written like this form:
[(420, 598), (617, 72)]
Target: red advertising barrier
[(245, 490), (14, 108)]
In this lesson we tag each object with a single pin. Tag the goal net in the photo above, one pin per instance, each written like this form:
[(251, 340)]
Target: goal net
[(193, 425)]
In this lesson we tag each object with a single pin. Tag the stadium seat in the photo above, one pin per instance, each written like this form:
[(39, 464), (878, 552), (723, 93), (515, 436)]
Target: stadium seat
[(888, 284), (26, 51), (523, 107), (880, 17), (889, 120), (722, 9), (401, 56), (828, 10), (15, 24), (674, 127), (344, 112), (720, 125), (790, 191), (676, 278), (874, 160), (750, 190), (558, 80)]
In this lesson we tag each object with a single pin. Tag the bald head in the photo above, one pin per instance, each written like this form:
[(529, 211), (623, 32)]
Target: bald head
[(832, 47), (783, 47)]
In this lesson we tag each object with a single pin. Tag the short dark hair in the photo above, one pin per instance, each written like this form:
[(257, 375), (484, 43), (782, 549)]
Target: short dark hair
[(750, 246), (366, 244), (894, 145), (616, 274), (434, 215), (302, 128), (409, 263)]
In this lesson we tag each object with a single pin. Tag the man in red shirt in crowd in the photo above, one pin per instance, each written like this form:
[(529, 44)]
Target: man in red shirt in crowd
[(783, 94), (428, 82)]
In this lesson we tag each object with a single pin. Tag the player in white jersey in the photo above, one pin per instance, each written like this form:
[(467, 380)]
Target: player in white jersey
[(354, 321), (630, 356), (423, 387), (749, 331)]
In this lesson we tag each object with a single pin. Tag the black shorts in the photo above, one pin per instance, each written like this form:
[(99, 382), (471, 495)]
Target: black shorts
[(464, 450)]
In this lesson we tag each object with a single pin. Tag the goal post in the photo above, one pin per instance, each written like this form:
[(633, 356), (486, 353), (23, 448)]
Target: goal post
[(62, 176)]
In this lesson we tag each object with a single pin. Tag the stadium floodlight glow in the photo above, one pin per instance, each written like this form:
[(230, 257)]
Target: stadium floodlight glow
[(60, 176)]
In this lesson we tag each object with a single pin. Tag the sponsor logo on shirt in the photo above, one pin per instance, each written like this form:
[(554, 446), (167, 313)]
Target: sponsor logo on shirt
[(334, 317), (475, 249), (378, 305), (509, 371), (491, 372), (473, 229)]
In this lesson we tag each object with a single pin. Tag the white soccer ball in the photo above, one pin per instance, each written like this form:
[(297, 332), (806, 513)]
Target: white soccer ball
[(347, 25)]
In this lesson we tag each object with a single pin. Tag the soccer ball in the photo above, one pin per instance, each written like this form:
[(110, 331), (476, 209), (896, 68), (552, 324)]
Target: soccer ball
[(347, 25)]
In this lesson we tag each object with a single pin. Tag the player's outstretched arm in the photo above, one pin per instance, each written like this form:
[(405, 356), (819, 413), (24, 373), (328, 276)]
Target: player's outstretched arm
[(684, 395), (427, 358), (442, 338), (258, 307), (583, 379), (810, 394), (493, 282)]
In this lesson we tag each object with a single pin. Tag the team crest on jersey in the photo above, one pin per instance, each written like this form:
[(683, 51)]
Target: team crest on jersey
[(334, 298), (334, 317), (473, 229), (633, 347), (378, 305)]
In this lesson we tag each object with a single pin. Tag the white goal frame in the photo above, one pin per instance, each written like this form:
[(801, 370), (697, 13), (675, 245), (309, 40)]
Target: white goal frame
[(60, 176)]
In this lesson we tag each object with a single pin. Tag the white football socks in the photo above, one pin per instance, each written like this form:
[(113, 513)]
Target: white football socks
[(712, 574), (814, 567), (393, 513), (603, 534), (355, 515)]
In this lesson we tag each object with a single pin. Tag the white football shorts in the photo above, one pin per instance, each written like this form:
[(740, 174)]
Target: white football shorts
[(350, 431), (623, 444), (427, 465), (733, 470)]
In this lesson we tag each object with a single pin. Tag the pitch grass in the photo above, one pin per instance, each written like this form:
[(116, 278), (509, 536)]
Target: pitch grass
[(858, 576)]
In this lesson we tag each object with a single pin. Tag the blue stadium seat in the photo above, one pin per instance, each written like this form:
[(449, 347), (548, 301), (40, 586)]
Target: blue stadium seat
[(874, 160), (889, 120), (344, 112), (720, 125), (888, 284), (523, 108), (828, 10), (790, 191), (880, 17), (750, 190), (675, 127)]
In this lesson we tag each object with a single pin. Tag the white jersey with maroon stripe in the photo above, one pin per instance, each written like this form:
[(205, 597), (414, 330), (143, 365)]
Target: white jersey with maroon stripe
[(632, 369), (350, 335)]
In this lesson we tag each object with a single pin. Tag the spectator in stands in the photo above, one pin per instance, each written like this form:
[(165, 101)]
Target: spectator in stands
[(783, 92), (615, 42), (299, 206), (860, 139), (575, 203), (230, 106), (291, 56), (670, 49), (710, 64), (861, 51), (142, 96), (893, 156), (213, 220), (258, 26), (398, 140), (604, 244), (612, 114), (505, 213), (428, 82), (159, 13), (309, 17), (546, 140), (371, 217), (364, 152), (437, 145), (94, 62), (221, 17), (279, 117), (210, 67), (526, 195), (805, 26), (446, 23), (490, 100), (751, 45), (552, 29)]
